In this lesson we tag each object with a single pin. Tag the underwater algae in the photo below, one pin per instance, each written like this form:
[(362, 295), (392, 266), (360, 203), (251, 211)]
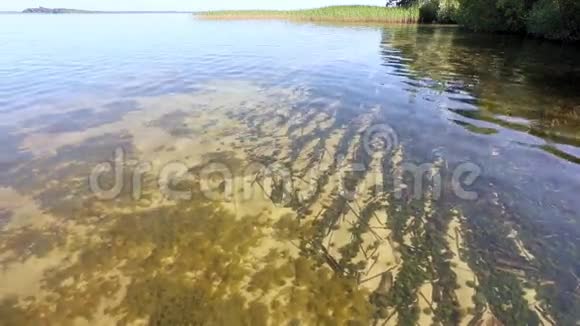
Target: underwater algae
[(293, 235)]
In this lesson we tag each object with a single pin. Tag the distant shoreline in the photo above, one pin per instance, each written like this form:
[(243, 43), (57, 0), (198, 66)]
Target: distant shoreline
[(101, 12), (60, 11)]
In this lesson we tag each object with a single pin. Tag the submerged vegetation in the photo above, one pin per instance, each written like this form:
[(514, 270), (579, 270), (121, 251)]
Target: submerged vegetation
[(382, 257)]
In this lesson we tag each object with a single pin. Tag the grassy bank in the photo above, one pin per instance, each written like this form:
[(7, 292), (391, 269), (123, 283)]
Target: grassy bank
[(334, 13)]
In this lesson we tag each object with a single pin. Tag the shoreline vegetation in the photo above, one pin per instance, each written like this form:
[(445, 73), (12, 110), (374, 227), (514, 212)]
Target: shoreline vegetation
[(548, 19), (371, 14)]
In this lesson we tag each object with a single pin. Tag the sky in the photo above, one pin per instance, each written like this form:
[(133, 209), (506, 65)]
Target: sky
[(178, 5)]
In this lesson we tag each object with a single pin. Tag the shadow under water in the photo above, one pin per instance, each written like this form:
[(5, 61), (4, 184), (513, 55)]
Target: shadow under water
[(504, 85), (298, 250)]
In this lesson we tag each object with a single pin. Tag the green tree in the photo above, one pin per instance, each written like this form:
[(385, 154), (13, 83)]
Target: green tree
[(552, 19)]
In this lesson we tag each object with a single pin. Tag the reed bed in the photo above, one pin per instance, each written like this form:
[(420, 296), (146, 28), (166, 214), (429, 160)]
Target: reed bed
[(333, 13)]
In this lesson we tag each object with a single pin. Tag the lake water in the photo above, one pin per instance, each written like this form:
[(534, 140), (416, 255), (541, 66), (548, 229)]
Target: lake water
[(161, 169)]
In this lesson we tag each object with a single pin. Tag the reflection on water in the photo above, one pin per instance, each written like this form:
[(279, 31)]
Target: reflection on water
[(524, 85), (231, 176)]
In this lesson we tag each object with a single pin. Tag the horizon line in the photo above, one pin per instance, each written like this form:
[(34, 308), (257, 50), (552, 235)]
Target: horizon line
[(107, 11)]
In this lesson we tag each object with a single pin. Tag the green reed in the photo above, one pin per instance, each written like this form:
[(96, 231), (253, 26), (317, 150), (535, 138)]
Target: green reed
[(333, 13)]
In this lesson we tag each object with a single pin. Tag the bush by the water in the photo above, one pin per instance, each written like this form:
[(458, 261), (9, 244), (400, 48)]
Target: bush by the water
[(447, 12), (555, 19), (493, 15), (439, 11), (545, 20), (428, 12), (552, 19)]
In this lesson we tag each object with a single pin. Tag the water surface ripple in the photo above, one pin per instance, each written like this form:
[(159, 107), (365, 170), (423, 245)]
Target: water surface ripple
[(72, 85)]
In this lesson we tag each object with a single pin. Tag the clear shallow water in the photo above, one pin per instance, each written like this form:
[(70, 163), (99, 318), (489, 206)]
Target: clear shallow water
[(75, 87)]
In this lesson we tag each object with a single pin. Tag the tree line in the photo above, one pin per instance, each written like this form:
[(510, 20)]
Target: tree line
[(551, 19)]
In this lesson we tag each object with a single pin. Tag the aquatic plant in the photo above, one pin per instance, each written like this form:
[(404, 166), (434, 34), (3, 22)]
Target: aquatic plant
[(196, 262), (188, 264), (26, 242), (333, 13)]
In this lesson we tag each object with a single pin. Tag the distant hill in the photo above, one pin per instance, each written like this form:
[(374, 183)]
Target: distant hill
[(42, 10)]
